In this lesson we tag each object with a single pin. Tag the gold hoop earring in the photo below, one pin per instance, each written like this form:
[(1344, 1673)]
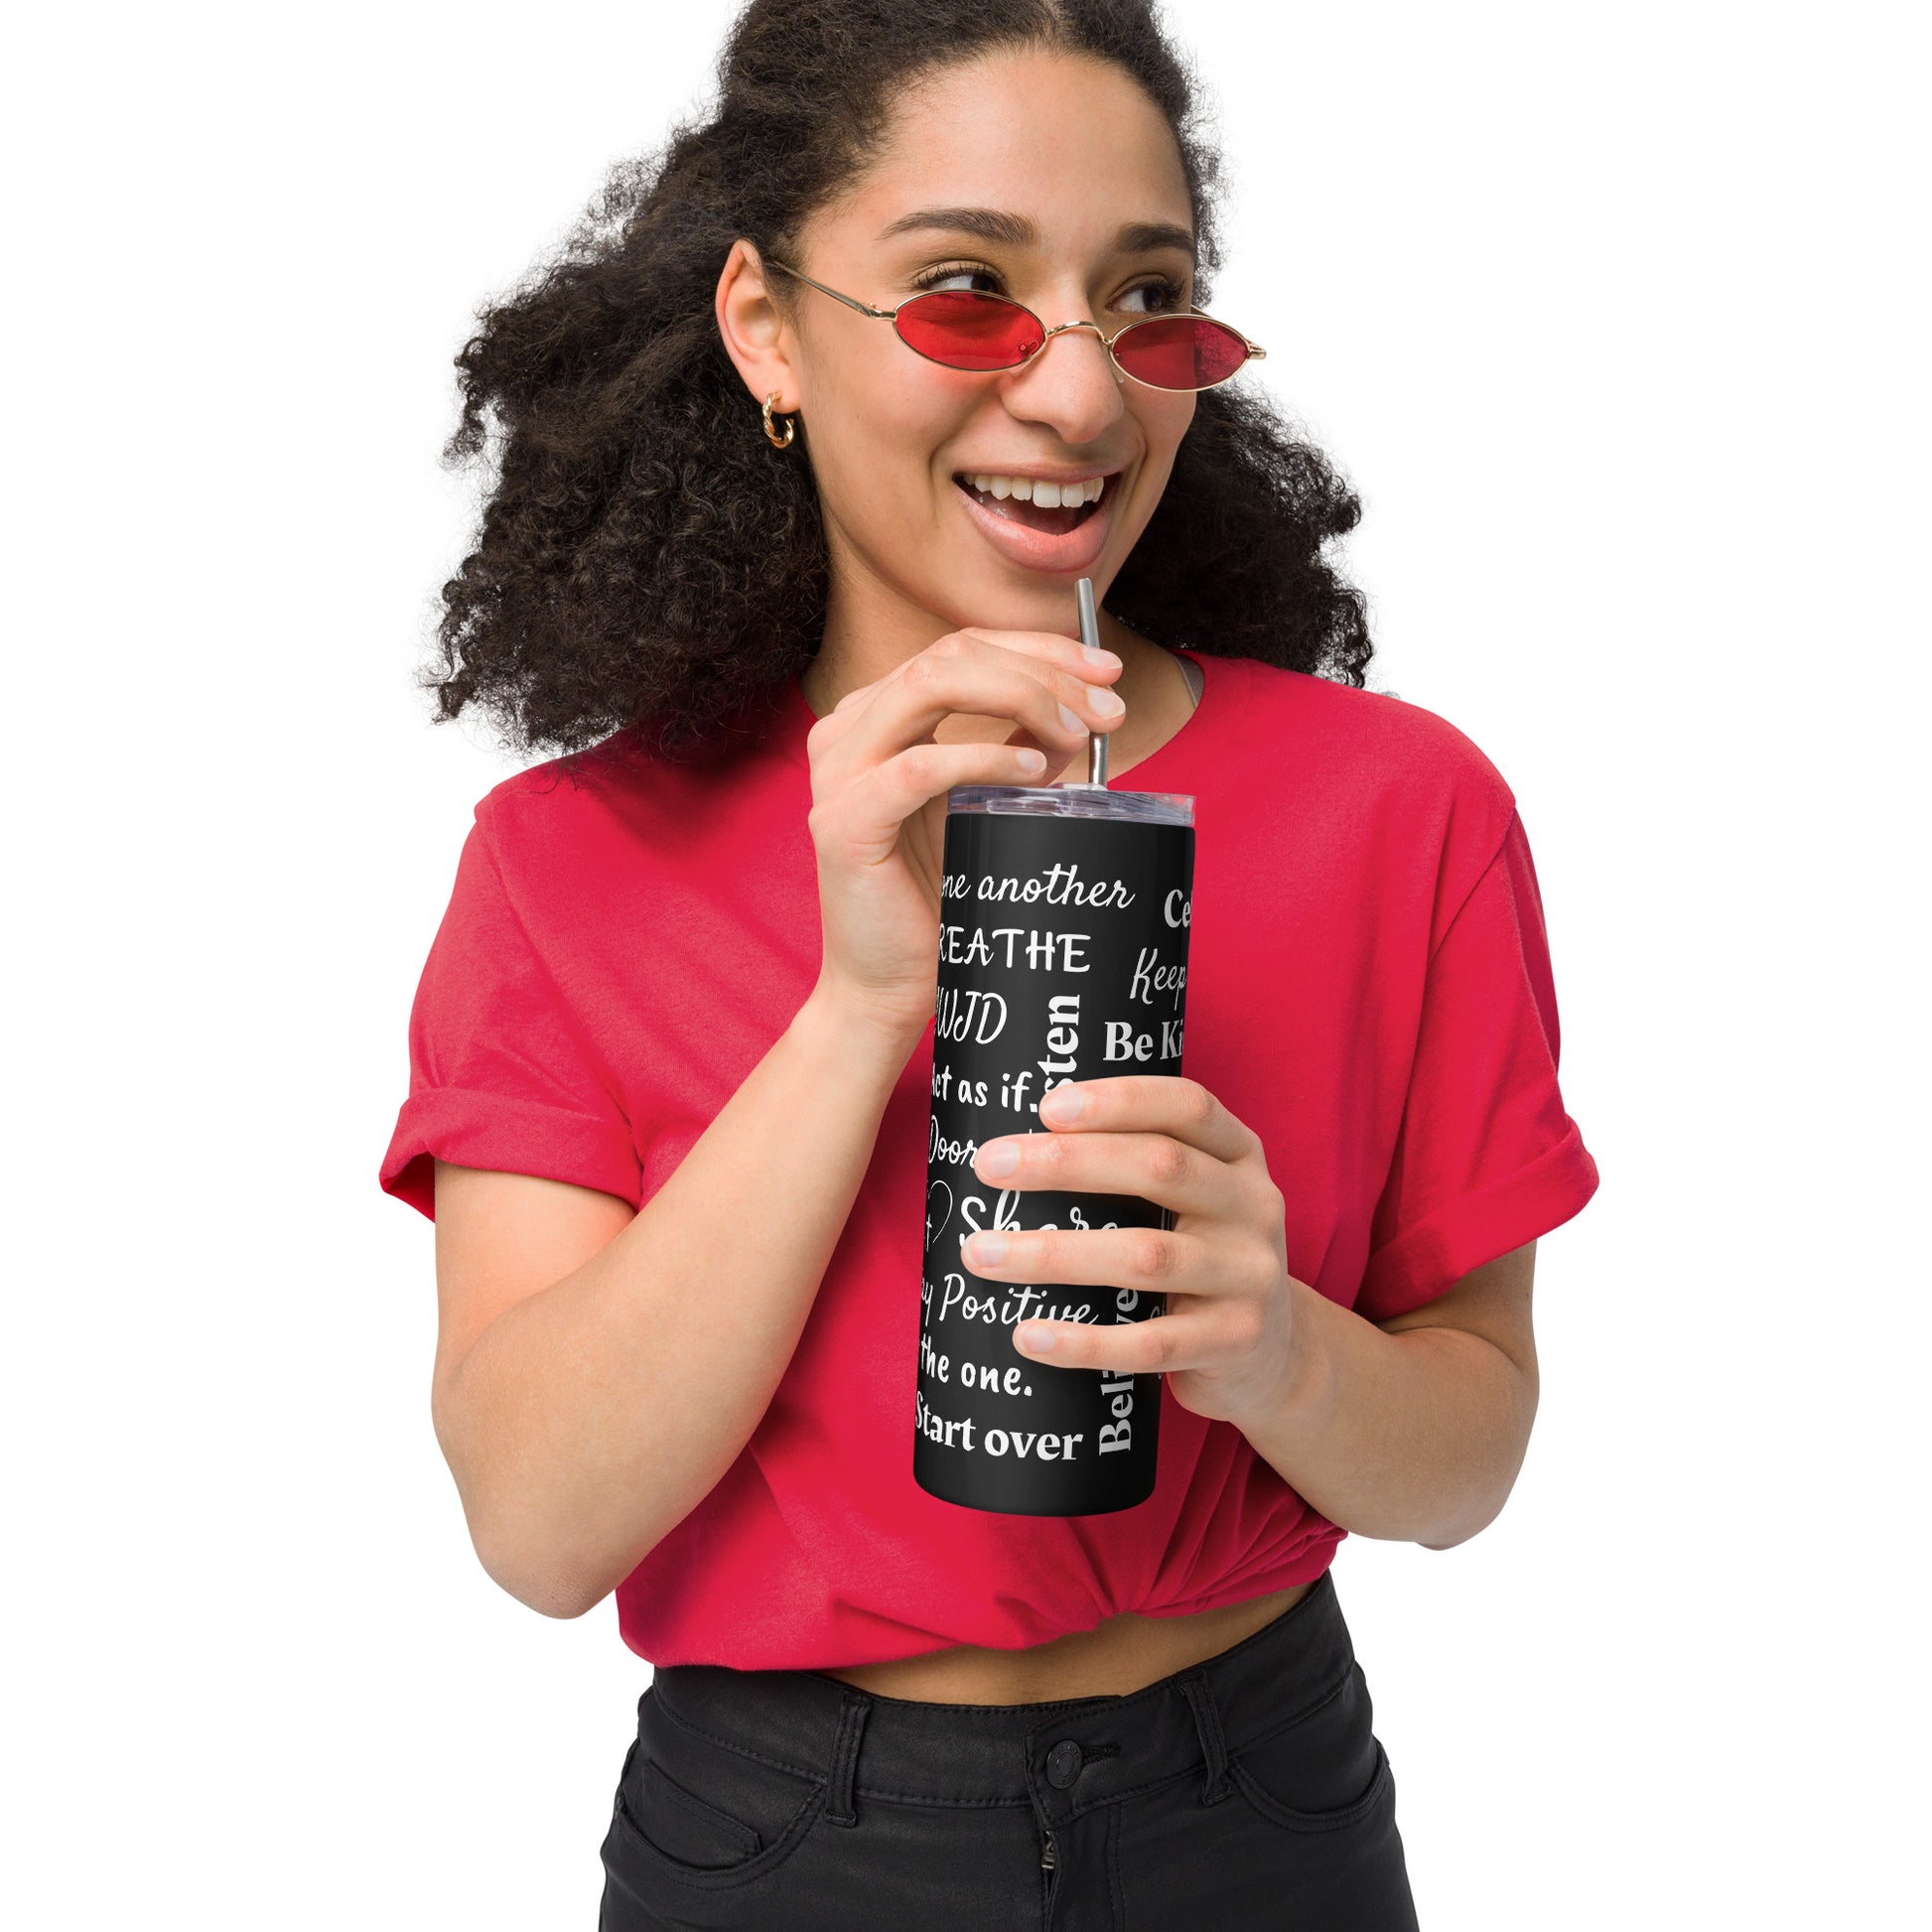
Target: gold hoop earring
[(778, 441)]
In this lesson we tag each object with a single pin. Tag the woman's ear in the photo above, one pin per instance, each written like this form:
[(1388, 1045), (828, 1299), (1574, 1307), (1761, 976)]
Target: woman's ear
[(754, 334)]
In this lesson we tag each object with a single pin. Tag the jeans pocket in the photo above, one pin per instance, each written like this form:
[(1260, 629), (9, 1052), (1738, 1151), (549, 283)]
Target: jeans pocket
[(1320, 1770), (700, 1812)]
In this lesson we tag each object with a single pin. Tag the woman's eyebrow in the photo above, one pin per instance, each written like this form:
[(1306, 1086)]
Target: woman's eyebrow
[(1017, 231)]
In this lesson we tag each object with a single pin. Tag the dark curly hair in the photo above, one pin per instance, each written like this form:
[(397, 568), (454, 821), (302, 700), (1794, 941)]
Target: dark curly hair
[(648, 566)]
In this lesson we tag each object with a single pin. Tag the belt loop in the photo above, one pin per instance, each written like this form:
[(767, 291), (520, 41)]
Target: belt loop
[(854, 1707), (1213, 1744)]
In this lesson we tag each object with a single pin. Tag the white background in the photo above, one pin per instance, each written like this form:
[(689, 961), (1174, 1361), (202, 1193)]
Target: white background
[(1613, 318)]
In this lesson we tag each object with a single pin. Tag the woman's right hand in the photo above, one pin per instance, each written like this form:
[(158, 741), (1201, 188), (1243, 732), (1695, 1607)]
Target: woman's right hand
[(880, 781)]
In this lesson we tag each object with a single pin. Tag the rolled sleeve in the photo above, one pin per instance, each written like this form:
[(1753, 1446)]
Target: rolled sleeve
[(499, 1074), (1487, 1158)]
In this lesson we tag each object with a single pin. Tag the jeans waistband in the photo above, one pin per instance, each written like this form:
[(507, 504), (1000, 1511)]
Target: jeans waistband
[(1064, 1756)]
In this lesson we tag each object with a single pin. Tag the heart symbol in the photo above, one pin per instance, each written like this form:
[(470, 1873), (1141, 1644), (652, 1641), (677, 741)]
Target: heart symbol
[(938, 1187)]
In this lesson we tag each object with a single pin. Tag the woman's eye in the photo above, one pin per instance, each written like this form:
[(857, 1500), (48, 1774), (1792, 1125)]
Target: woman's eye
[(1159, 297), (1166, 297), (939, 277)]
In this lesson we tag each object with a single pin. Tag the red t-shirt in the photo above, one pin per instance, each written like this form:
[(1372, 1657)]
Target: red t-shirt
[(1369, 989)]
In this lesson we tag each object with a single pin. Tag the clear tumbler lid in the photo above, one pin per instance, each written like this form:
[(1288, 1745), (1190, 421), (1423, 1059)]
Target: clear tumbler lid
[(1075, 802)]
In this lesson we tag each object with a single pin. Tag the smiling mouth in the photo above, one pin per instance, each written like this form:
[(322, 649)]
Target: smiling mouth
[(1054, 522)]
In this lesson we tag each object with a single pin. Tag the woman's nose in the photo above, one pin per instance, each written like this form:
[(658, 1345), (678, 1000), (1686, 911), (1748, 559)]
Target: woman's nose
[(1077, 392)]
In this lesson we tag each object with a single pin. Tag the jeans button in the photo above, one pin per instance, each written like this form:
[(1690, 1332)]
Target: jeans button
[(1064, 1763)]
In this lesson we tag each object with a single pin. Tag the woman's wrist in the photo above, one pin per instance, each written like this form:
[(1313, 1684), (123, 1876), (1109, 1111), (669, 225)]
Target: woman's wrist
[(855, 1023)]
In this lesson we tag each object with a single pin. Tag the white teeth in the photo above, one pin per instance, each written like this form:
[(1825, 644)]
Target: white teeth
[(1029, 489)]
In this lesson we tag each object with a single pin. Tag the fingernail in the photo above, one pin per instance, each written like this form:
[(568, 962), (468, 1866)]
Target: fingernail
[(1035, 1340), (1109, 704), (1031, 760), (999, 1156), (1095, 655), (1063, 1103), (1072, 719), (988, 1248)]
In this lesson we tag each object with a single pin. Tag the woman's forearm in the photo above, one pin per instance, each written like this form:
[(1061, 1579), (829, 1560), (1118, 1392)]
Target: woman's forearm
[(589, 1418), (1413, 1436)]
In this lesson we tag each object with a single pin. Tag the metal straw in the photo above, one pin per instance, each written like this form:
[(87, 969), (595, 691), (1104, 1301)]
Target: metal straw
[(1090, 637)]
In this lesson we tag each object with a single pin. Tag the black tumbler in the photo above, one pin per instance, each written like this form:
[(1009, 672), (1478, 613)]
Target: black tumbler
[(1062, 956)]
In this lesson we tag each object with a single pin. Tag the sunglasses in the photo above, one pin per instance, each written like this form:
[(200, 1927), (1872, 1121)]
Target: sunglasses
[(968, 329)]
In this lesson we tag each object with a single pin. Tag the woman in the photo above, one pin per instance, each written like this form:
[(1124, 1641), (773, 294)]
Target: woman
[(757, 561)]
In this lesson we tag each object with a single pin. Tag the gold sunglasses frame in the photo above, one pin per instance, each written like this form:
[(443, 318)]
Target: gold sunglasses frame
[(1255, 350)]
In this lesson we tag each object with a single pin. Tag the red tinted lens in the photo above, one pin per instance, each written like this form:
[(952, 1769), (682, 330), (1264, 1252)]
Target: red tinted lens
[(968, 329), (1181, 353)]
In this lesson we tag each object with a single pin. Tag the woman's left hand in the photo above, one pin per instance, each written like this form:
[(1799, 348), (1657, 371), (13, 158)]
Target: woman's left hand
[(1224, 1343)]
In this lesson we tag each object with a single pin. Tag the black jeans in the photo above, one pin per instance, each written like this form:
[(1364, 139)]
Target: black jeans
[(1245, 1791)]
